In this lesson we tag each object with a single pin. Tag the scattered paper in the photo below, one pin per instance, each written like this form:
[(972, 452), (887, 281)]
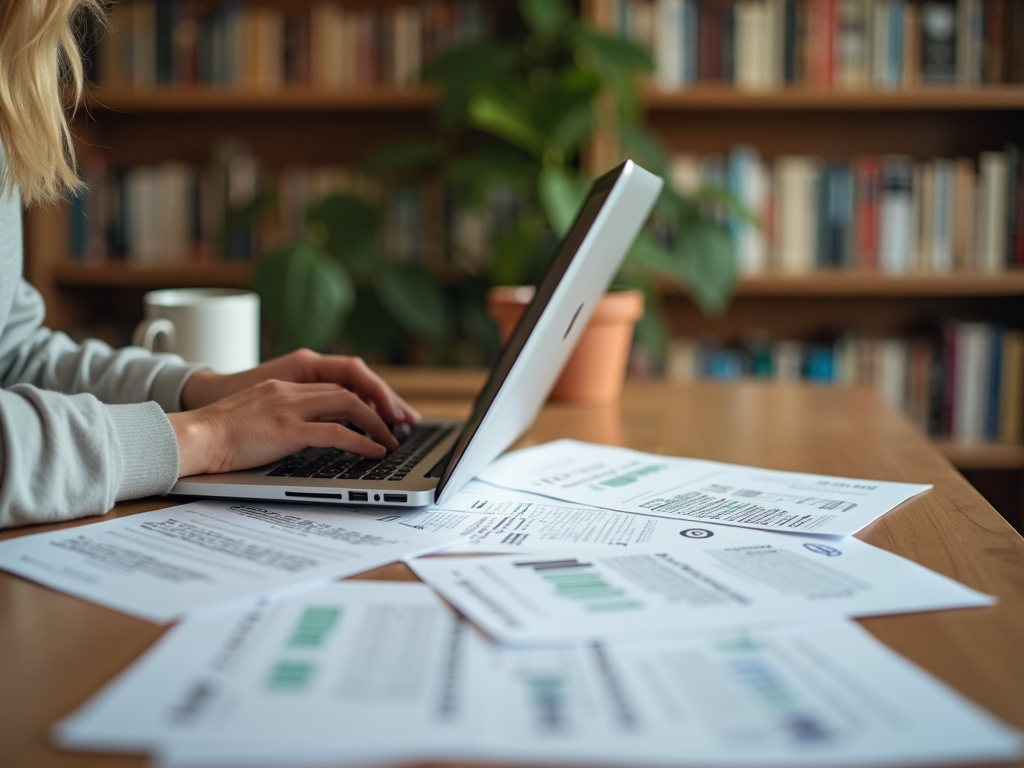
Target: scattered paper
[(487, 518), (162, 564), (700, 584), (376, 670), (372, 674), (827, 695), (693, 489)]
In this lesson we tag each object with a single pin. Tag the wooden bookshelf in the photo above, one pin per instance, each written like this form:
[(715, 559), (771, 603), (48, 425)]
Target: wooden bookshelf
[(222, 99), (703, 97), (983, 456), (840, 284), (857, 284), (120, 275)]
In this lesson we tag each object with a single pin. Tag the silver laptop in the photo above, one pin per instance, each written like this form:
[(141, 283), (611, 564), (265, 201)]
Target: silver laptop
[(438, 457)]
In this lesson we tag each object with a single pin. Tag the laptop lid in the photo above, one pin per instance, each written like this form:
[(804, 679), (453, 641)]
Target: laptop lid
[(587, 259)]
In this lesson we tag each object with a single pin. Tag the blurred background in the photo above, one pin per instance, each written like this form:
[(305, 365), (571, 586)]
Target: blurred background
[(845, 202)]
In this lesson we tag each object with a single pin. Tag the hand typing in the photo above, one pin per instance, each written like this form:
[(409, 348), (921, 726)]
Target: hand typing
[(282, 406)]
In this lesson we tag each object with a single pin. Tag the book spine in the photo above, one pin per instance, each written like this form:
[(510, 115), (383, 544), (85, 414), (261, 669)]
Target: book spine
[(992, 207), (163, 34), (942, 238), (1011, 390), (729, 43), (994, 35), (1012, 218), (895, 241), (938, 41), (993, 381)]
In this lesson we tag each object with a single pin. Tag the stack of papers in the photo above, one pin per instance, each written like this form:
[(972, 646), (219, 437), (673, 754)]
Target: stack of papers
[(615, 608), (367, 673)]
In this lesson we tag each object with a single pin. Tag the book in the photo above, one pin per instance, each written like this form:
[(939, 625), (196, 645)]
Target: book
[(852, 45), (896, 246), (1012, 215), (938, 41), (748, 183), (971, 372), (1011, 390), (868, 185), (796, 214), (992, 208), (943, 217)]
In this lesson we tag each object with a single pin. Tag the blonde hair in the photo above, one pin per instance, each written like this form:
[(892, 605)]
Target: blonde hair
[(40, 77)]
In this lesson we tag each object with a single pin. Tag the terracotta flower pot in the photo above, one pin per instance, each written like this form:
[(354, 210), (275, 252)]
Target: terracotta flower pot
[(597, 368)]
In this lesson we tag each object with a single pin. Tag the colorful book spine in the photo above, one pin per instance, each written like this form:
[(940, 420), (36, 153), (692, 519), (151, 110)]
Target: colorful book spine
[(841, 44), (889, 214)]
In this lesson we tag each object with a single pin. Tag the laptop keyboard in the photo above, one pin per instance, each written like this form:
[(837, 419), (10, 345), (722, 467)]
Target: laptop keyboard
[(334, 463)]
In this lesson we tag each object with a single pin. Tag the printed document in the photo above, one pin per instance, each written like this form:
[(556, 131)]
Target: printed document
[(700, 584), (377, 670), (694, 489), (487, 518), (160, 565), (827, 695), (370, 673)]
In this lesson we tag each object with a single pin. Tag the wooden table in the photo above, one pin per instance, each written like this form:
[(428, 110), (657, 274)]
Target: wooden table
[(56, 651)]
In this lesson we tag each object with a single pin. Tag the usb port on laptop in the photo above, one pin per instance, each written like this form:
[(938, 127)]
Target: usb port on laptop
[(396, 497), (358, 496)]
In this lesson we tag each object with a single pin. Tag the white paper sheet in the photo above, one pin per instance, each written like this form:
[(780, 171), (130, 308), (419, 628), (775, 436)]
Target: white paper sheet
[(163, 564), (490, 519), (693, 489), (828, 695), (700, 584), (378, 670)]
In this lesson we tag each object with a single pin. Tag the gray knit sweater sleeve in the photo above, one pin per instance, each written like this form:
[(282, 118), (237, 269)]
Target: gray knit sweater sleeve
[(81, 425)]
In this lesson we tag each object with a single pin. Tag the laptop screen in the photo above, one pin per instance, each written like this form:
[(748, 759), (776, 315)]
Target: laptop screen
[(567, 250)]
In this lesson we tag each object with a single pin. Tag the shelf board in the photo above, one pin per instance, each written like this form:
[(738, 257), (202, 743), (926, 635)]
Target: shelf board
[(836, 284), (205, 98), (989, 97), (868, 285), (117, 275), (224, 99), (983, 455)]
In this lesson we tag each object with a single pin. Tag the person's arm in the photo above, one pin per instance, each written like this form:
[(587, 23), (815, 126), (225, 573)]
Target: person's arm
[(66, 456), (33, 354)]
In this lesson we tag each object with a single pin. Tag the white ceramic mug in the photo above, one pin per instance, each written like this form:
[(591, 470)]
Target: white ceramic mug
[(218, 327)]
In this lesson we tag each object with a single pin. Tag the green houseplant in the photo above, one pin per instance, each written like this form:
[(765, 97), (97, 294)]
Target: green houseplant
[(520, 113)]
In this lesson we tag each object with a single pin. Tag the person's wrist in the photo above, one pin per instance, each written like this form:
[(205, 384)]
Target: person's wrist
[(201, 389), (195, 443)]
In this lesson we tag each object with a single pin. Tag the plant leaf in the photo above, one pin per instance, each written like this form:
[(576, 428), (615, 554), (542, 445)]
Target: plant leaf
[(501, 116), (573, 129), (493, 161), (614, 52), (706, 263), (415, 300), (403, 156), (722, 198), (545, 17), (460, 72), (371, 329), (561, 195), (350, 226), (305, 295), (645, 149), (521, 252)]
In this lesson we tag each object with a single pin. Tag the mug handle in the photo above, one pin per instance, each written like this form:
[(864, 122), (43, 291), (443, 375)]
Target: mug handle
[(147, 331)]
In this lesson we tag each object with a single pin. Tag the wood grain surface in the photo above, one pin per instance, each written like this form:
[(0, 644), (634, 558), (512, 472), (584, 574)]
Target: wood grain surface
[(56, 651)]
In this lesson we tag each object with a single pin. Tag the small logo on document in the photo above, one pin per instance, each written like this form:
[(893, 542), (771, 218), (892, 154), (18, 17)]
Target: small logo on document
[(697, 533), (823, 549)]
